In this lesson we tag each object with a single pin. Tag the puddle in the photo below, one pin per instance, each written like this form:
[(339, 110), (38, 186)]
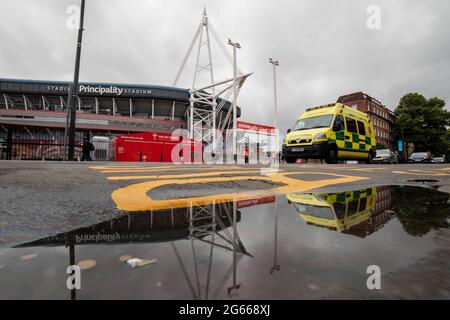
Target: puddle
[(295, 246), (423, 180)]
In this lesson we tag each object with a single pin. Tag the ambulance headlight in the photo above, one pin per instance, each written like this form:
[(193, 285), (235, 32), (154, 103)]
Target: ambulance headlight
[(320, 136)]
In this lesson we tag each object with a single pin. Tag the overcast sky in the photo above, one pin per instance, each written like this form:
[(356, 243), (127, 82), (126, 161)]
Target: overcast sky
[(325, 47)]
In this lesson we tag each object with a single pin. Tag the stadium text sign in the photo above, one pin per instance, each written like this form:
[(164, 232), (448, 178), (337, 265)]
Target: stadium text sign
[(101, 90)]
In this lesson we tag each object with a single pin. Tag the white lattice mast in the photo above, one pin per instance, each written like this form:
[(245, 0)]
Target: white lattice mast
[(204, 106)]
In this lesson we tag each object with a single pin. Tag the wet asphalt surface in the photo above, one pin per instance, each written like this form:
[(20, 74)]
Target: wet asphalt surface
[(43, 198), (44, 202)]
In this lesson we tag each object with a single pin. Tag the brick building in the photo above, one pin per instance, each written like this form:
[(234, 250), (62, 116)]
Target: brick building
[(381, 117)]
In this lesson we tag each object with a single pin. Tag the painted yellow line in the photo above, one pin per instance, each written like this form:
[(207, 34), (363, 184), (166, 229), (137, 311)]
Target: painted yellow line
[(142, 167), (365, 169), (179, 168), (183, 176), (415, 173), (135, 197)]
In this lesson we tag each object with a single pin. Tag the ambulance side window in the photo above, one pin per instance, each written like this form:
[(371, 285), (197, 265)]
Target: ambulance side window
[(351, 125), (352, 208), (338, 124), (339, 209), (362, 204), (361, 128)]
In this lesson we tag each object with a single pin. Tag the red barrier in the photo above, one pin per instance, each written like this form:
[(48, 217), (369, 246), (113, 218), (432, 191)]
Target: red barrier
[(157, 147)]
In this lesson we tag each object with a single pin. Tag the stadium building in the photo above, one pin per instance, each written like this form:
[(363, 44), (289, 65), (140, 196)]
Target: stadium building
[(33, 114)]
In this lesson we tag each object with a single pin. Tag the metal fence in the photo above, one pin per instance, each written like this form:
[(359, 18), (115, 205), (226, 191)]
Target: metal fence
[(31, 144)]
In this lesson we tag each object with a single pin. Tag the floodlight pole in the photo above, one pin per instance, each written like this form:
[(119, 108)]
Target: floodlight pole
[(275, 64), (235, 46), (73, 89)]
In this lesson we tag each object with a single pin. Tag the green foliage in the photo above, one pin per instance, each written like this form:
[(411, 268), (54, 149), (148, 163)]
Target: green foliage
[(424, 122), (422, 210)]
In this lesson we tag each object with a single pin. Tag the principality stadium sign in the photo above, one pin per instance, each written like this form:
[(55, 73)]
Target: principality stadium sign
[(101, 90)]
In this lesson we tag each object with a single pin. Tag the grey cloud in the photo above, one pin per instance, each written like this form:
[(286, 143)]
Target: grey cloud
[(324, 47)]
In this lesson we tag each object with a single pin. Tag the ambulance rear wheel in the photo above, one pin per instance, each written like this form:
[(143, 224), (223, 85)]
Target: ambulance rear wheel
[(369, 159), (332, 156), (291, 160)]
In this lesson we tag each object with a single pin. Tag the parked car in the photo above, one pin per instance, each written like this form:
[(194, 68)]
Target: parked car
[(386, 156), (420, 157), (438, 159)]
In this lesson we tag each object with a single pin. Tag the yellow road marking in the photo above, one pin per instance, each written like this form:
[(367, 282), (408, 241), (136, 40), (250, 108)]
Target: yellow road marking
[(181, 176), (138, 167), (135, 197), (422, 173), (178, 168), (364, 169)]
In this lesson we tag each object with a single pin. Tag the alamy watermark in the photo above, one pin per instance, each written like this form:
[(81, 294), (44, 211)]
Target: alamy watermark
[(74, 278), (73, 17), (374, 280), (261, 149), (373, 21)]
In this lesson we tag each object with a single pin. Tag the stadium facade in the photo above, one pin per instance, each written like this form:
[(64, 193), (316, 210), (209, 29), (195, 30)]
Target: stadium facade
[(33, 114)]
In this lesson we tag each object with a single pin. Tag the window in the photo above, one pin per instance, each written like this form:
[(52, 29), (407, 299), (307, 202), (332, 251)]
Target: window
[(351, 125), (361, 128), (315, 211), (363, 204), (355, 106), (352, 208), (339, 122), (339, 209), (313, 122)]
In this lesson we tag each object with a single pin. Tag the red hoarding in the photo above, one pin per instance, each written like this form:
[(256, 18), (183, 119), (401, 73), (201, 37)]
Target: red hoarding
[(157, 147)]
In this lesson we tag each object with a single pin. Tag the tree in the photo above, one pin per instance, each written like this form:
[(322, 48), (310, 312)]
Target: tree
[(423, 122), (421, 210)]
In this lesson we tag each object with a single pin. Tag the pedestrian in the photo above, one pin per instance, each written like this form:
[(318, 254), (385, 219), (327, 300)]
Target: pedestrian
[(86, 150)]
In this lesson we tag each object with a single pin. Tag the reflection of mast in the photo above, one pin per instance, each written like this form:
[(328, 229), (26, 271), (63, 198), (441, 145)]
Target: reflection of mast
[(276, 267), (208, 225), (235, 286)]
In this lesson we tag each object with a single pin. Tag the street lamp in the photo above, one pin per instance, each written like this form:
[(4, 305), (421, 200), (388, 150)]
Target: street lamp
[(275, 64), (73, 92), (235, 46)]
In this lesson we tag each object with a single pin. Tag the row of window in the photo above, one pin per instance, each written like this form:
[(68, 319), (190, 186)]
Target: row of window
[(381, 134), (380, 112), (380, 123), (352, 125)]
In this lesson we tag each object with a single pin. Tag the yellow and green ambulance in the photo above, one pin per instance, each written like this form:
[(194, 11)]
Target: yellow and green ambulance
[(335, 211), (332, 132)]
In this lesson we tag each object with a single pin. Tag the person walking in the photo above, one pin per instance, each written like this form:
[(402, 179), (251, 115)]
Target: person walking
[(86, 150)]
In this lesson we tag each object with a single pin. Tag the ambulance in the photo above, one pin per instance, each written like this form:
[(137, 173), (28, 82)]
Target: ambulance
[(335, 211), (332, 132)]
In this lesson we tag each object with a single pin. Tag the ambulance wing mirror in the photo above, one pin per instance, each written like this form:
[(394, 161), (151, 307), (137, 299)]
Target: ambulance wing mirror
[(288, 131)]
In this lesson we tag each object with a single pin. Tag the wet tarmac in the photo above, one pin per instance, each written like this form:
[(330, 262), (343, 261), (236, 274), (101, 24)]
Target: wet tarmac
[(293, 246)]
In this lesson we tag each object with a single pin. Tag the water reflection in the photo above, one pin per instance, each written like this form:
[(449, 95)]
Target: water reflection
[(363, 212), (214, 225), (318, 246)]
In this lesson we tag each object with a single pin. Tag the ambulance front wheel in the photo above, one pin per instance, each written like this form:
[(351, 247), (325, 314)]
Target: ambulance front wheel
[(332, 155)]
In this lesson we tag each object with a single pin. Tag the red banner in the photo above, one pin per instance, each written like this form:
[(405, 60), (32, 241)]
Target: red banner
[(246, 126)]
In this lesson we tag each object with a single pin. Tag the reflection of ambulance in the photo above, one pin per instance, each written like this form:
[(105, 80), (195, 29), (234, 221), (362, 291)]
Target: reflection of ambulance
[(336, 211)]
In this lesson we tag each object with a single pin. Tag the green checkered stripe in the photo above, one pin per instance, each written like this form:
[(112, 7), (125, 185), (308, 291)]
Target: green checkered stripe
[(356, 143), (352, 195)]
